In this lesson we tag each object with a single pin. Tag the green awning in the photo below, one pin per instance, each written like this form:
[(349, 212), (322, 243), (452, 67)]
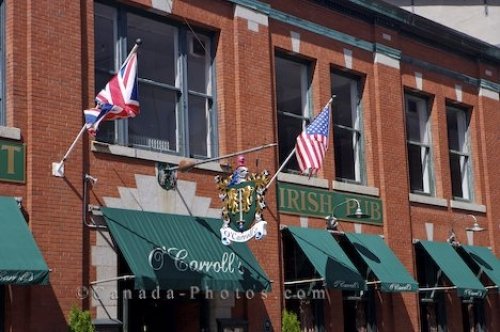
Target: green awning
[(328, 258), (21, 262), (180, 252), (384, 264), (454, 268), (487, 262)]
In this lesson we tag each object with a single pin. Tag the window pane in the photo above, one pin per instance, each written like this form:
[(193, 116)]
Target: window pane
[(288, 131), (345, 154), (453, 135), (416, 168), (155, 127), (418, 144), (104, 39), (347, 128), (198, 66), (344, 103), (456, 176), (459, 162), (157, 55), (291, 89), (198, 126), (412, 123)]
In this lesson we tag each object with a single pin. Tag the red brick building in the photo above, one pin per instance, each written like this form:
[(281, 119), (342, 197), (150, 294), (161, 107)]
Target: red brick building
[(413, 144)]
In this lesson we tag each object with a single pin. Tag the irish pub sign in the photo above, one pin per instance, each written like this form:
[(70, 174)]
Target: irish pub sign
[(312, 202), (12, 161)]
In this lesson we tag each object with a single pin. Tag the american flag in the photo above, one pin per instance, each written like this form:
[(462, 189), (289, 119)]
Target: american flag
[(312, 143), (119, 99)]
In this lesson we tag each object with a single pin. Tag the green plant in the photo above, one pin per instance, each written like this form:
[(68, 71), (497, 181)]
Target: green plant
[(80, 321), (289, 322)]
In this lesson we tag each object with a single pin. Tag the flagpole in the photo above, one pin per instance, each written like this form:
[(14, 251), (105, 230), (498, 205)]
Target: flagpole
[(138, 42), (58, 168), (280, 169), (188, 165)]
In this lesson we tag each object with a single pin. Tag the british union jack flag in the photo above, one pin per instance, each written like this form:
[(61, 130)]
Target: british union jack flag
[(119, 99)]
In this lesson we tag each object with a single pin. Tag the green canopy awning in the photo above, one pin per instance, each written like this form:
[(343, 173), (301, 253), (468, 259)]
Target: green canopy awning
[(178, 252), (486, 261), (21, 262), (329, 260), (454, 268), (384, 264)]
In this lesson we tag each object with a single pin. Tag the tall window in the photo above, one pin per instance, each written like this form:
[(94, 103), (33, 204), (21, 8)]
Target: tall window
[(418, 141), (347, 127), (176, 90), (460, 156), (432, 302), (292, 87), (3, 120)]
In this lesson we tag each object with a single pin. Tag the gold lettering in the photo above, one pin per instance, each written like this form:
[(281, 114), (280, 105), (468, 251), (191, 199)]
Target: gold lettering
[(293, 196), (302, 200), (325, 201), (282, 197), (375, 212), (10, 157), (312, 201), (350, 207)]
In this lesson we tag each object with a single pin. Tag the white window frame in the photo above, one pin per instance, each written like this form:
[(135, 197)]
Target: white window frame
[(304, 75), (425, 142), (181, 48), (356, 129), (464, 153)]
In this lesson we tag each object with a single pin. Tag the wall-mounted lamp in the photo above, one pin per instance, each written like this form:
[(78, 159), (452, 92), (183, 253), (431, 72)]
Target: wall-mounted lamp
[(475, 227), (331, 220), (452, 238)]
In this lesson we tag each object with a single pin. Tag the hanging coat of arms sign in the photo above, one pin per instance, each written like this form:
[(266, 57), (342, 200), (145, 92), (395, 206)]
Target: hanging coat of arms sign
[(242, 194)]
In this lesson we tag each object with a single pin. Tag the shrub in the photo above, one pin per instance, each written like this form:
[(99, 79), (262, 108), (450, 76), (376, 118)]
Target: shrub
[(80, 321), (289, 322)]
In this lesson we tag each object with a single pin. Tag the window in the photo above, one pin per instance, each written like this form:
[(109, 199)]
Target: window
[(460, 158), (3, 120), (176, 89), (347, 127), (432, 300), (418, 141), (304, 293), (292, 86)]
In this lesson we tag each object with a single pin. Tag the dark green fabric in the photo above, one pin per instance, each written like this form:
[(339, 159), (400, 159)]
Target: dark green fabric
[(329, 260), (391, 273), (189, 252), (455, 269), (487, 261), (21, 262)]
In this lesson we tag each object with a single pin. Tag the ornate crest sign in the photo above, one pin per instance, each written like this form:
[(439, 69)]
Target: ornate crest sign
[(242, 194)]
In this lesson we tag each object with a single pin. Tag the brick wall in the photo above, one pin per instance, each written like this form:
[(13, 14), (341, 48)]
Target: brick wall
[(49, 78)]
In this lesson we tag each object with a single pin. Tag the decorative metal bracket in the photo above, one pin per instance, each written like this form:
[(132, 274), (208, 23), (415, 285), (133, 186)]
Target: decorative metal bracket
[(167, 176)]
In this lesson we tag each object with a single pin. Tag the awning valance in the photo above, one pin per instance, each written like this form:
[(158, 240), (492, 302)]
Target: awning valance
[(328, 258), (384, 264), (454, 268), (178, 252), (486, 261), (21, 262)]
